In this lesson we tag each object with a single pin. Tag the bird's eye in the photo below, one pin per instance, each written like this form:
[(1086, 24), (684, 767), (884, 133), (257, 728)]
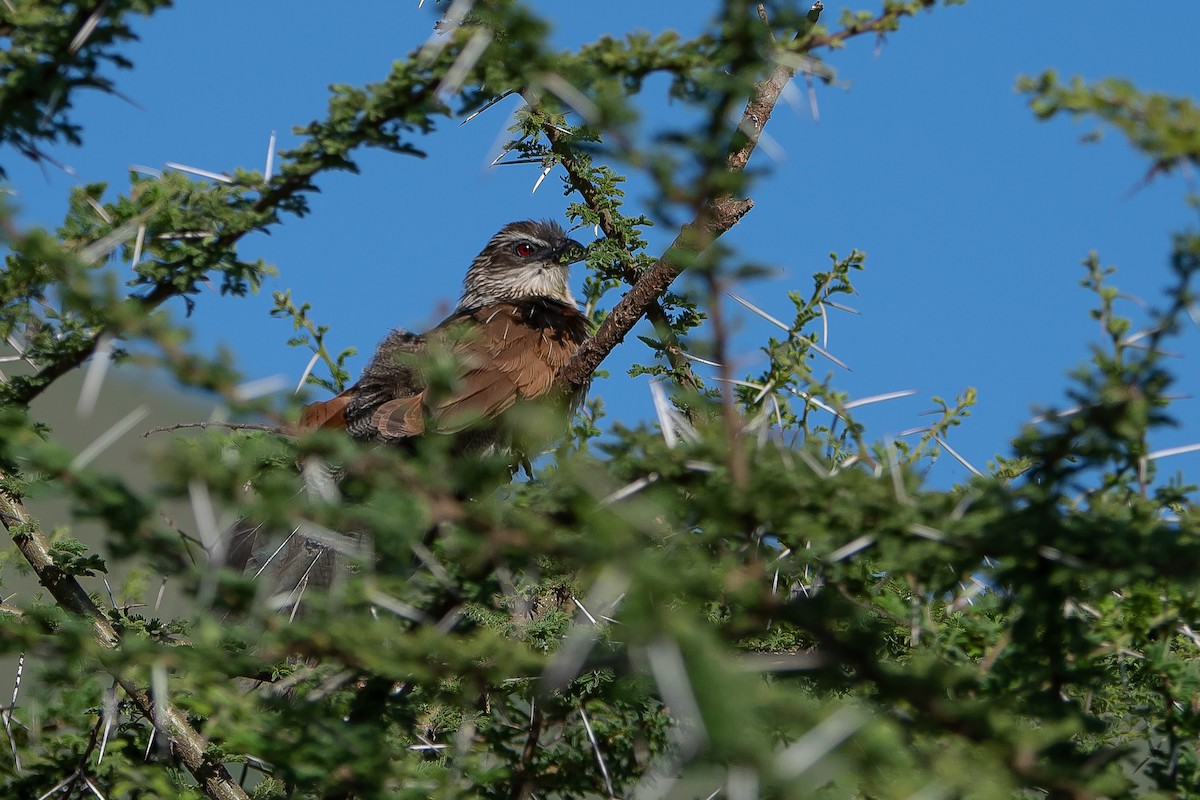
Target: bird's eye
[(524, 249)]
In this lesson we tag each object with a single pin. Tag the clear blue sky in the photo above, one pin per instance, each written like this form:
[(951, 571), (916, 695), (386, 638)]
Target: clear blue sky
[(974, 216)]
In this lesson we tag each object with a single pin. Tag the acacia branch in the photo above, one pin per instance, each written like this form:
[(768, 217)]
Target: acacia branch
[(186, 742), (591, 196), (721, 215), (137, 306), (291, 185), (717, 216)]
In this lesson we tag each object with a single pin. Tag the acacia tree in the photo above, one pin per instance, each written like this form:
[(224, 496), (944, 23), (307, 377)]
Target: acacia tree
[(738, 599)]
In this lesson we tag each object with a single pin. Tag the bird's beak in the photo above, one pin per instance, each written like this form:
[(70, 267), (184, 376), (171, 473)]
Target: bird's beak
[(568, 251)]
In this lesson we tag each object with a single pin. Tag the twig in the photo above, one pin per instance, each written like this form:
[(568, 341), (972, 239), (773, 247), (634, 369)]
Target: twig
[(729, 412), (524, 780), (233, 426)]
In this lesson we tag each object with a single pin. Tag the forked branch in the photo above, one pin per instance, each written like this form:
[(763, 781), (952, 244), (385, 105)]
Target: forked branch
[(717, 216)]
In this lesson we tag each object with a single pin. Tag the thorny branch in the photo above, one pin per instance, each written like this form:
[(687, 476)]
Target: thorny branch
[(717, 216), (655, 313), (186, 741), (270, 201), (146, 303)]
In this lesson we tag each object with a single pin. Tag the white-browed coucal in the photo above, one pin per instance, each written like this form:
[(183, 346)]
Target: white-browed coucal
[(515, 326)]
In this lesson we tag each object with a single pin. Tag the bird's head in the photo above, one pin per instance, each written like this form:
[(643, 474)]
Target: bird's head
[(525, 259)]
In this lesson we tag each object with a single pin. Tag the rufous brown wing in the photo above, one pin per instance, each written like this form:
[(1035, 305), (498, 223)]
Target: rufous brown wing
[(515, 327)]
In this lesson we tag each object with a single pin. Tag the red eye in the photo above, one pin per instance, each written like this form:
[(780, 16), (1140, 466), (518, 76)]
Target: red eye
[(524, 249)]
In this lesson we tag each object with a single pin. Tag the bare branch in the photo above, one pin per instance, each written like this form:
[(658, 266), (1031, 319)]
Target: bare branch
[(233, 426)]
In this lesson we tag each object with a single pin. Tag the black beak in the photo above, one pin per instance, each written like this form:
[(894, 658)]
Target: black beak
[(568, 251)]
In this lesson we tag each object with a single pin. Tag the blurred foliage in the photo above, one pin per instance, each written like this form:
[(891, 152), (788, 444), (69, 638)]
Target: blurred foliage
[(637, 617)]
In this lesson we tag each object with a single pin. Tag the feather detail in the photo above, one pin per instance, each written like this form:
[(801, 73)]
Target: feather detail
[(402, 418), (508, 352), (513, 353)]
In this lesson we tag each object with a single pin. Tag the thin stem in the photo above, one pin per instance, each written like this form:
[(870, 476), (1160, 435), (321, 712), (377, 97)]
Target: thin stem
[(729, 413)]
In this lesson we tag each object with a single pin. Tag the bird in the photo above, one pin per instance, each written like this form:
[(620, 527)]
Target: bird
[(515, 326)]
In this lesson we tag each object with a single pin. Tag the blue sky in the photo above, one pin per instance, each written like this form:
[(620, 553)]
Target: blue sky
[(974, 216)]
